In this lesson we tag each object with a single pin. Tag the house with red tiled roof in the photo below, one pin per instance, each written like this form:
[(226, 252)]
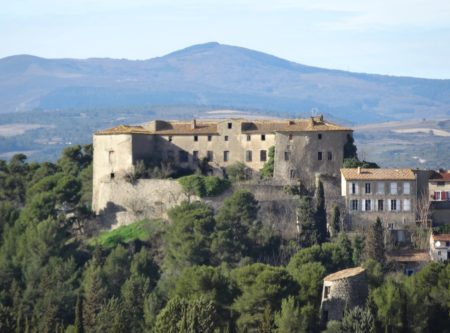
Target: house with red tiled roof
[(439, 192), (440, 247), (388, 194)]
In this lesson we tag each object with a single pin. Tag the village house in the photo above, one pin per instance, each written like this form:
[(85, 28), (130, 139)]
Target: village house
[(439, 194), (390, 194), (440, 247), (304, 148)]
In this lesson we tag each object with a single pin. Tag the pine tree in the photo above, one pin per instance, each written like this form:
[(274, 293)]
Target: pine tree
[(95, 296), (375, 243), (79, 327), (321, 214)]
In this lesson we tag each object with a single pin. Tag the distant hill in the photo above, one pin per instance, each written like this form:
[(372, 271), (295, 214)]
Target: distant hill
[(213, 74)]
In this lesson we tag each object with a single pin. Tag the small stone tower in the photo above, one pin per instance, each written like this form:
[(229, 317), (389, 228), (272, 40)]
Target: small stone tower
[(343, 290)]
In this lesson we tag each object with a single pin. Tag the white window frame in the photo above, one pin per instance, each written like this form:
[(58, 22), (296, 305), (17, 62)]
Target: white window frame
[(367, 186), (350, 188), (391, 204), (393, 188), (367, 203), (406, 188), (406, 205), (380, 188), (351, 205)]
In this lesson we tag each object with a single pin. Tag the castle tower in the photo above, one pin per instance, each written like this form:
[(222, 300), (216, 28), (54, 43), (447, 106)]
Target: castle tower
[(343, 290)]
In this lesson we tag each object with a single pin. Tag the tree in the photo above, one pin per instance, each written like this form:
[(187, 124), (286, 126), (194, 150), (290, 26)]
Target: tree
[(305, 218), (188, 237), (358, 249), (237, 172), (261, 286), (236, 222), (292, 318), (95, 295), (309, 276), (321, 214), (356, 163), (335, 226), (134, 291), (350, 148), (375, 243), (79, 326), (358, 320), (267, 170)]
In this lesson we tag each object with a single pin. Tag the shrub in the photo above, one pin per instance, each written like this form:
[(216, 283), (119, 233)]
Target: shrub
[(203, 186), (237, 172), (267, 169)]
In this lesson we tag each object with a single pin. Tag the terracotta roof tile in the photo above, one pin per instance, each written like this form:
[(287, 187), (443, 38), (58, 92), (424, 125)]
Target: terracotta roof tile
[(344, 274), (409, 256), (377, 174), (441, 176), (442, 237), (210, 127)]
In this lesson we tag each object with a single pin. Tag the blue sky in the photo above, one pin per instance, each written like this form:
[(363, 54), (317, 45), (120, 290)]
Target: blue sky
[(396, 37)]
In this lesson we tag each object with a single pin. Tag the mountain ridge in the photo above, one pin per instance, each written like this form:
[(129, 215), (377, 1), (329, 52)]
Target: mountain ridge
[(214, 74)]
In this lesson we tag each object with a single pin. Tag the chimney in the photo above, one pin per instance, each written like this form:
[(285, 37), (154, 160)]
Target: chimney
[(359, 170), (194, 124)]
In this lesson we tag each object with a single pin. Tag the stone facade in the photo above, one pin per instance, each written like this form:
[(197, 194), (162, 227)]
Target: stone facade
[(343, 290), (439, 194), (304, 148), (390, 194)]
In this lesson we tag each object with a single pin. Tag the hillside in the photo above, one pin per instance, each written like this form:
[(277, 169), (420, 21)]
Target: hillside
[(213, 74)]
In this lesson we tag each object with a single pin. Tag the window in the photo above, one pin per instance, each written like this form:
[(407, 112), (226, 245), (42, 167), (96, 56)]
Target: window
[(195, 155), (406, 188), (249, 137), (390, 226), (406, 205), (209, 155), (292, 173), (380, 205), (111, 175), (263, 155), (367, 205), (263, 137), (183, 156), (226, 137), (290, 137), (367, 187), (226, 154), (380, 188), (354, 204), (248, 156), (326, 292), (440, 183), (393, 205), (393, 188), (354, 188), (437, 195), (209, 137), (195, 137), (170, 138), (319, 136), (230, 125), (319, 156), (330, 156), (287, 155)]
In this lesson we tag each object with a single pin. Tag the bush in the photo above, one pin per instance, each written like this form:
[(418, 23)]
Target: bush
[(203, 186), (237, 172), (267, 169), (355, 163)]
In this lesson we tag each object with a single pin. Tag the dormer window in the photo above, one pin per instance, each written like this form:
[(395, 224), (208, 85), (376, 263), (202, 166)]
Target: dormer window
[(230, 125)]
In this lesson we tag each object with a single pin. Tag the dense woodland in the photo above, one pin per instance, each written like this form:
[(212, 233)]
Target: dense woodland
[(201, 271)]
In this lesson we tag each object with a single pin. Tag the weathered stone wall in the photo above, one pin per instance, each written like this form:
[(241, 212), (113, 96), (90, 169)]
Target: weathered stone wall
[(303, 150), (121, 203), (345, 293)]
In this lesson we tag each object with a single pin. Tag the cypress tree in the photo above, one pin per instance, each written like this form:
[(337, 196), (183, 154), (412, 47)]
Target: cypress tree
[(375, 243), (336, 221), (305, 216), (79, 327), (321, 214)]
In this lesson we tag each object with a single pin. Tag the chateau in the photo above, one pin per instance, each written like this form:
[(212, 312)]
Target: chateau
[(304, 148)]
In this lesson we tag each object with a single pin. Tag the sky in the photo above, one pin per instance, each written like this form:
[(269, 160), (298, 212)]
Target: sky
[(395, 37)]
